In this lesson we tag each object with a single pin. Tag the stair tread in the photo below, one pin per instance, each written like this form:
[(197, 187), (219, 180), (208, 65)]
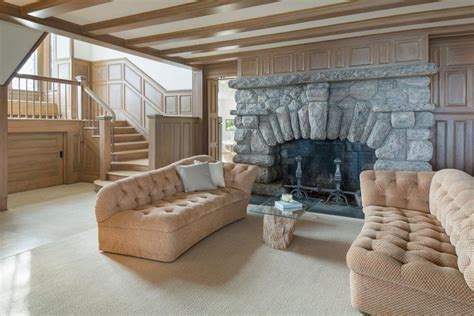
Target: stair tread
[(132, 151), (131, 134), (134, 143)]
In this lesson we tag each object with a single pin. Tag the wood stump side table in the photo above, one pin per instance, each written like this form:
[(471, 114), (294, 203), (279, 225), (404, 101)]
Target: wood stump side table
[(278, 226)]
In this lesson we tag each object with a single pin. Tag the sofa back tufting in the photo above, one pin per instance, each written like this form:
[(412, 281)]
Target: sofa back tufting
[(401, 189), (452, 202), (142, 189)]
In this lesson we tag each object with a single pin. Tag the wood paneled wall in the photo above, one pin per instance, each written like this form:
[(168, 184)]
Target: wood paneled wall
[(453, 95), (173, 138), (135, 95), (47, 131), (3, 147), (365, 51)]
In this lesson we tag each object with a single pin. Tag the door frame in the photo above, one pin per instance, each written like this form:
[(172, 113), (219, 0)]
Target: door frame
[(214, 145)]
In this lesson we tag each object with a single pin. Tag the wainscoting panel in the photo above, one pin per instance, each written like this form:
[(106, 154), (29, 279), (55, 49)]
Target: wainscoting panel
[(133, 94), (454, 143), (453, 95), (184, 139)]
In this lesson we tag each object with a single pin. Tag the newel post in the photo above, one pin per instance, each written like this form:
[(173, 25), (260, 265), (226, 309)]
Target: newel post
[(105, 145), (155, 139), (80, 97)]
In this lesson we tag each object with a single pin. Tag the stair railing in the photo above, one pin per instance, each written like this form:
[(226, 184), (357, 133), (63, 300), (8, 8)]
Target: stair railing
[(100, 117), (42, 98)]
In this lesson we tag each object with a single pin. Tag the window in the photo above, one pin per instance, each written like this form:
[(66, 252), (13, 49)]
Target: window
[(29, 68)]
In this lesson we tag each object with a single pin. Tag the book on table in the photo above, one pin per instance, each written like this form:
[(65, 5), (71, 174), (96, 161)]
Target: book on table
[(288, 206)]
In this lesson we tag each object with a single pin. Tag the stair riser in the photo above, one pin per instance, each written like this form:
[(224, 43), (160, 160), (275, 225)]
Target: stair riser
[(121, 124), (130, 167), (123, 147), (128, 130), (113, 177), (131, 156), (127, 138)]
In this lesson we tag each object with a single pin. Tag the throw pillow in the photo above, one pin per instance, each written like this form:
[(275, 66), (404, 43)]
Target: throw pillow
[(217, 172), (196, 177)]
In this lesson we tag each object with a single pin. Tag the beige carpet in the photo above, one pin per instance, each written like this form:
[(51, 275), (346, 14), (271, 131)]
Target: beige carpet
[(230, 272)]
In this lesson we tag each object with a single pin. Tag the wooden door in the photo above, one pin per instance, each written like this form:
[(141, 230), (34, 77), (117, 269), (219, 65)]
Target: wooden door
[(35, 160), (453, 95), (213, 119)]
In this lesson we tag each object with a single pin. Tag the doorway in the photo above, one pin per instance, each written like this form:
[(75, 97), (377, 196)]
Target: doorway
[(35, 160), (226, 103)]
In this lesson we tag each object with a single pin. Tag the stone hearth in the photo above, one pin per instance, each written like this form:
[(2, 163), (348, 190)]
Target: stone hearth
[(385, 107)]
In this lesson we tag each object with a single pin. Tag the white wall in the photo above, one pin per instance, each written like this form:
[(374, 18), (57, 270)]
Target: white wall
[(15, 42), (170, 77)]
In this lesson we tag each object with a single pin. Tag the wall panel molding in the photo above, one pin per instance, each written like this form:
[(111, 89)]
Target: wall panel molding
[(356, 52), (134, 95), (452, 91)]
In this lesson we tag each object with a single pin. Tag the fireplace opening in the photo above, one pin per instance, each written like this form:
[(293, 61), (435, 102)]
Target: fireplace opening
[(317, 162)]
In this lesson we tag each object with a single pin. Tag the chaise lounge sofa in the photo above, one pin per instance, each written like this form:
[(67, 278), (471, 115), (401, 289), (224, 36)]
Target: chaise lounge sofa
[(150, 216), (415, 253)]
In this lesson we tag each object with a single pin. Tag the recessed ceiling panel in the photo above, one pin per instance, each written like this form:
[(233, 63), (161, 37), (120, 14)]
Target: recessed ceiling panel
[(247, 13)]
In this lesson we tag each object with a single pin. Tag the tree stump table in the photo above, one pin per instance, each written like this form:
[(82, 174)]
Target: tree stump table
[(278, 231), (278, 226)]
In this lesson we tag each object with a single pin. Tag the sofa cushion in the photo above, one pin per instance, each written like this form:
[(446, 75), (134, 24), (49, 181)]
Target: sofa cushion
[(173, 212), (196, 177), (408, 248), (452, 202)]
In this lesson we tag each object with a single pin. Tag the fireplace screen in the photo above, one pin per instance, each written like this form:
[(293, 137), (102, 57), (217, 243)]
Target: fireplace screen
[(318, 166)]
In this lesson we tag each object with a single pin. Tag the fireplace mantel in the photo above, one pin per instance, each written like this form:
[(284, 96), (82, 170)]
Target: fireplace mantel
[(385, 107), (336, 75)]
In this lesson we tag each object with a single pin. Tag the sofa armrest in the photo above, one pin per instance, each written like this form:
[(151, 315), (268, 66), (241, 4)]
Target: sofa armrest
[(107, 201), (401, 189), (240, 176)]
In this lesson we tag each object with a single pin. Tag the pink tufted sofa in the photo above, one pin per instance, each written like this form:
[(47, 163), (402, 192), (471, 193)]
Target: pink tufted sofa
[(150, 216), (415, 253)]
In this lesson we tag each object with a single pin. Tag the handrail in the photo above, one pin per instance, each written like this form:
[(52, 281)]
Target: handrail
[(94, 97), (49, 79)]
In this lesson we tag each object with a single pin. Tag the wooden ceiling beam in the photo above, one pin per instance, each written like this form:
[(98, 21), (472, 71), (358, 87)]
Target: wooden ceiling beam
[(385, 22), (439, 31), (12, 14), (171, 14), (48, 8), (282, 19)]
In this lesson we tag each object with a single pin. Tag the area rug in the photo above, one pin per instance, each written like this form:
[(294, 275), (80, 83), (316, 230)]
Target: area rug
[(230, 272)]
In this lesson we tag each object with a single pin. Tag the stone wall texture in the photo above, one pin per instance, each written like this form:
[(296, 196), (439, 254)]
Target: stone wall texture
[(390, 113)]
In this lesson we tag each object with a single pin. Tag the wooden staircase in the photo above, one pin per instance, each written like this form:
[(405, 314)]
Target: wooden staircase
[(129, 155)]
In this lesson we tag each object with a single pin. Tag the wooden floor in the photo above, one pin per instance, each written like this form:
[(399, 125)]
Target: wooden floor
[(39, 217)]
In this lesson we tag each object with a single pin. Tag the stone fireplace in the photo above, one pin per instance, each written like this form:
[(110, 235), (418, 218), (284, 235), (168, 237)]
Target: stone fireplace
[(384, 108)]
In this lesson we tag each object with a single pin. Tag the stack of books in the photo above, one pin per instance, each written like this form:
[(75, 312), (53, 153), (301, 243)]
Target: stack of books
[(288, 206)]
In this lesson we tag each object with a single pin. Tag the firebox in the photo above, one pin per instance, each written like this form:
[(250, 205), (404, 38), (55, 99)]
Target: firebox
[(317, 162)]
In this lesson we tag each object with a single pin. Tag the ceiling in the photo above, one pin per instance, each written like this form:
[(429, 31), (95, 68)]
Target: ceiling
[(208, 31)]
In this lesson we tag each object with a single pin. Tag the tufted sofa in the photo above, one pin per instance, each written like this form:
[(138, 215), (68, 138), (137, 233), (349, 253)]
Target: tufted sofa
[(150, 216), (415, 253)]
